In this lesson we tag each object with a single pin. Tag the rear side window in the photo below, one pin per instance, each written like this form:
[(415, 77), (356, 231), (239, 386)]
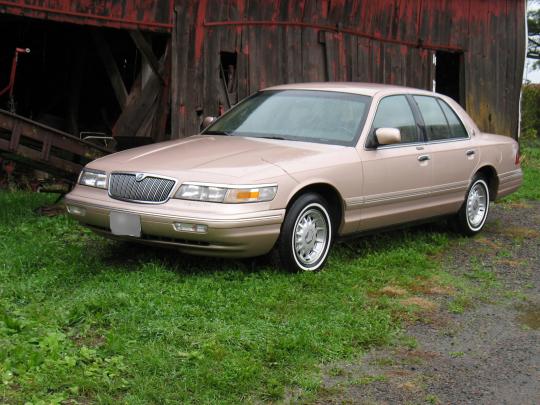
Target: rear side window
[(395, 112), (434, 119), (440, 121), (457, 129)]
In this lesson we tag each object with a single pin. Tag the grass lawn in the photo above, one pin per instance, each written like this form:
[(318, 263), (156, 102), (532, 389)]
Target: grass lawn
[(85, 320)]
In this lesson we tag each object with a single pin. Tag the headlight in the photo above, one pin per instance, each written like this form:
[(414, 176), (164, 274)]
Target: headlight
[(226, 194), (201, 193), (93, 178)]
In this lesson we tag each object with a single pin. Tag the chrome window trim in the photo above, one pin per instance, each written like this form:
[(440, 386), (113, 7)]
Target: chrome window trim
[(171, 193), (398, 145)]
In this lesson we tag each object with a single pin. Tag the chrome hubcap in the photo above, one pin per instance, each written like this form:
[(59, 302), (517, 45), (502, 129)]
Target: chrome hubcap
[(477, 204), (310, 236)]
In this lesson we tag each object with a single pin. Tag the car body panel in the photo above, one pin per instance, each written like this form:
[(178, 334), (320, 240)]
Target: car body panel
[(376, 187)]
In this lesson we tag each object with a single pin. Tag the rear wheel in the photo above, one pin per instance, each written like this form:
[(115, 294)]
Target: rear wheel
[(306, 234), (474, 211)]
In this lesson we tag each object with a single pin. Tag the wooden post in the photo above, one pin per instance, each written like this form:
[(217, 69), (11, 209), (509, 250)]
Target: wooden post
[(76, 78), (146, 50), (111, 67), (175, 118)]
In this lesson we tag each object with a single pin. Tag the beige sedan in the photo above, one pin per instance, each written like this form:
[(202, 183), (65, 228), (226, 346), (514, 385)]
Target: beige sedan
[(294, 167)]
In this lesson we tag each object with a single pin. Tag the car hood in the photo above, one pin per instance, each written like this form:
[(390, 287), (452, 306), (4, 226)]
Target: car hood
[(218, 158)]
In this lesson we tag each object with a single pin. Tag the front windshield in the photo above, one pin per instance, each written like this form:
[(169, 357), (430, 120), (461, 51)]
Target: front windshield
[(297, 115)]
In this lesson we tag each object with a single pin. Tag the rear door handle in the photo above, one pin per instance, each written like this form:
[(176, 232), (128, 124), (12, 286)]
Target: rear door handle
[(470, 152), (423, 158)]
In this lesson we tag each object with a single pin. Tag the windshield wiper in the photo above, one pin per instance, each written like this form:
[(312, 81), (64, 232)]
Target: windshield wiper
[(227, 133), (279, 138)]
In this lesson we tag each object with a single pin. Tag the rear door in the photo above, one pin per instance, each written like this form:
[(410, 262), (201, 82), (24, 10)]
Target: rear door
[(397, 178), (454, 159)]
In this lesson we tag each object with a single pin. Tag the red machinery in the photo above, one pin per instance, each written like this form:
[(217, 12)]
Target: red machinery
[(12, 76)]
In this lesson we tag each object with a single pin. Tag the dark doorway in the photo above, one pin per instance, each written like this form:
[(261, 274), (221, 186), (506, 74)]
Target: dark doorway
[(449, 75), (63, 81)]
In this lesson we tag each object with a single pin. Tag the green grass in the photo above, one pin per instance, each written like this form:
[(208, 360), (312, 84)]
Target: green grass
[(90, 320), (530, 162)]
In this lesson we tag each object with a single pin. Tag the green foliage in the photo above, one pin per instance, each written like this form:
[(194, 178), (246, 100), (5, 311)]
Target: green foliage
[(530, 163), (530, 112), (533, 22), (533, 25)]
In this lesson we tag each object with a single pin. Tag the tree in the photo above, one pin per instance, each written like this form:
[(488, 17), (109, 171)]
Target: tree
[(533, 23)]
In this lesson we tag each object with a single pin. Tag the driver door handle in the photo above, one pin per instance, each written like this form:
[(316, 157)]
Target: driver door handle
[(470, 152), (423, 158)]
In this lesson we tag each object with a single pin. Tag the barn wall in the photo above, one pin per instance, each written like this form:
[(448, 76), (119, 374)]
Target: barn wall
[(150, 15), (386, 41)]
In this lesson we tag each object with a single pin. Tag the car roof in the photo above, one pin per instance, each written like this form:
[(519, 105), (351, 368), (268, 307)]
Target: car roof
[(367, 89)]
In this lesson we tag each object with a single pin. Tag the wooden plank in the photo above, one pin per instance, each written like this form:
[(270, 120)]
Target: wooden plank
[(54, 164), (15, 137), (163, 106), (46, 148), (176, 51), (111, 68), (135, 114), (76, 81), (146, 50), (152, 15)]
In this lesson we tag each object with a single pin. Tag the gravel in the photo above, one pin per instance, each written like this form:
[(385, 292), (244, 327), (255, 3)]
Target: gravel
[(489, 354)]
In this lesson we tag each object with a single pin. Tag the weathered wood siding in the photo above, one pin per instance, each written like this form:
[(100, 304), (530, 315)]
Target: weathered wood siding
[(150, 15), (386, 41)]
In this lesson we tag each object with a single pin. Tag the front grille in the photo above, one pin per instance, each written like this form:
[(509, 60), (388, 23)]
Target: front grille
[(151, 189)]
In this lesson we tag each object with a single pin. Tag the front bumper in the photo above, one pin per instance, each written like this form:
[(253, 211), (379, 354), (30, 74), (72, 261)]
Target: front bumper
[(234, 230)]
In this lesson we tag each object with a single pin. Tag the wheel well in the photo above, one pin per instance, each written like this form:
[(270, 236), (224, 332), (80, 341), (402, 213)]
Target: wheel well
[(330, 194), (490, 174)]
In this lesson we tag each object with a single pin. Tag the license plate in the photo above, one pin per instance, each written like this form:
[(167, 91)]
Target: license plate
[(124, 224)]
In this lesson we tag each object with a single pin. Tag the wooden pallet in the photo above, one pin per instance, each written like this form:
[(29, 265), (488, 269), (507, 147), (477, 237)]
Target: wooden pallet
[(45, 148)]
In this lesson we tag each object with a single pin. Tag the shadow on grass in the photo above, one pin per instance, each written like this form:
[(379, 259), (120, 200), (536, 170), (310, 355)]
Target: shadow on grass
[(129, 256)]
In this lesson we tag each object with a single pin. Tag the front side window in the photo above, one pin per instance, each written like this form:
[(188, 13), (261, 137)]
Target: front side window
[(297, 115), (395, 112)]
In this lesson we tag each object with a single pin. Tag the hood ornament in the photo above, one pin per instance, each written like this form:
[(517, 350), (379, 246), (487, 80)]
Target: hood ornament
[(140, 176)]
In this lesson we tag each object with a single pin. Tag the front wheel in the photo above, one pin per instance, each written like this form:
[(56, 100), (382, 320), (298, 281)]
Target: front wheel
[(474, 211), (306, 234)]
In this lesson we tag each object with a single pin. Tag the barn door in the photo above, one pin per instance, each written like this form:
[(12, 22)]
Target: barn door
[(449, 75)]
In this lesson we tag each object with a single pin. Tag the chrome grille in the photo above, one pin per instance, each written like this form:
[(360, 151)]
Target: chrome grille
[(151, 189)]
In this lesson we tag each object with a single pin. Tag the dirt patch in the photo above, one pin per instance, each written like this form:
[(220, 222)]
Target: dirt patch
[(419, 302), (393, 291), (490, 353), (529, 315)]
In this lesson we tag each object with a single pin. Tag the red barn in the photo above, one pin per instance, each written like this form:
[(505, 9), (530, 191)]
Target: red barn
[(154, 68)]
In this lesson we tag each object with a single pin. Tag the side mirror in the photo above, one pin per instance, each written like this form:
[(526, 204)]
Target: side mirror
[(207, 121), (388, 136)]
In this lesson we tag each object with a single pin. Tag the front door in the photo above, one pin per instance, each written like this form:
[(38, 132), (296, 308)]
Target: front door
[(397, 178)]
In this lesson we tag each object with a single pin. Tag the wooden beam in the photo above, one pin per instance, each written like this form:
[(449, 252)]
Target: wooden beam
[(146, 50), (175, 80), (160, 120), (76, 80), (111, 67), (138, 110)]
